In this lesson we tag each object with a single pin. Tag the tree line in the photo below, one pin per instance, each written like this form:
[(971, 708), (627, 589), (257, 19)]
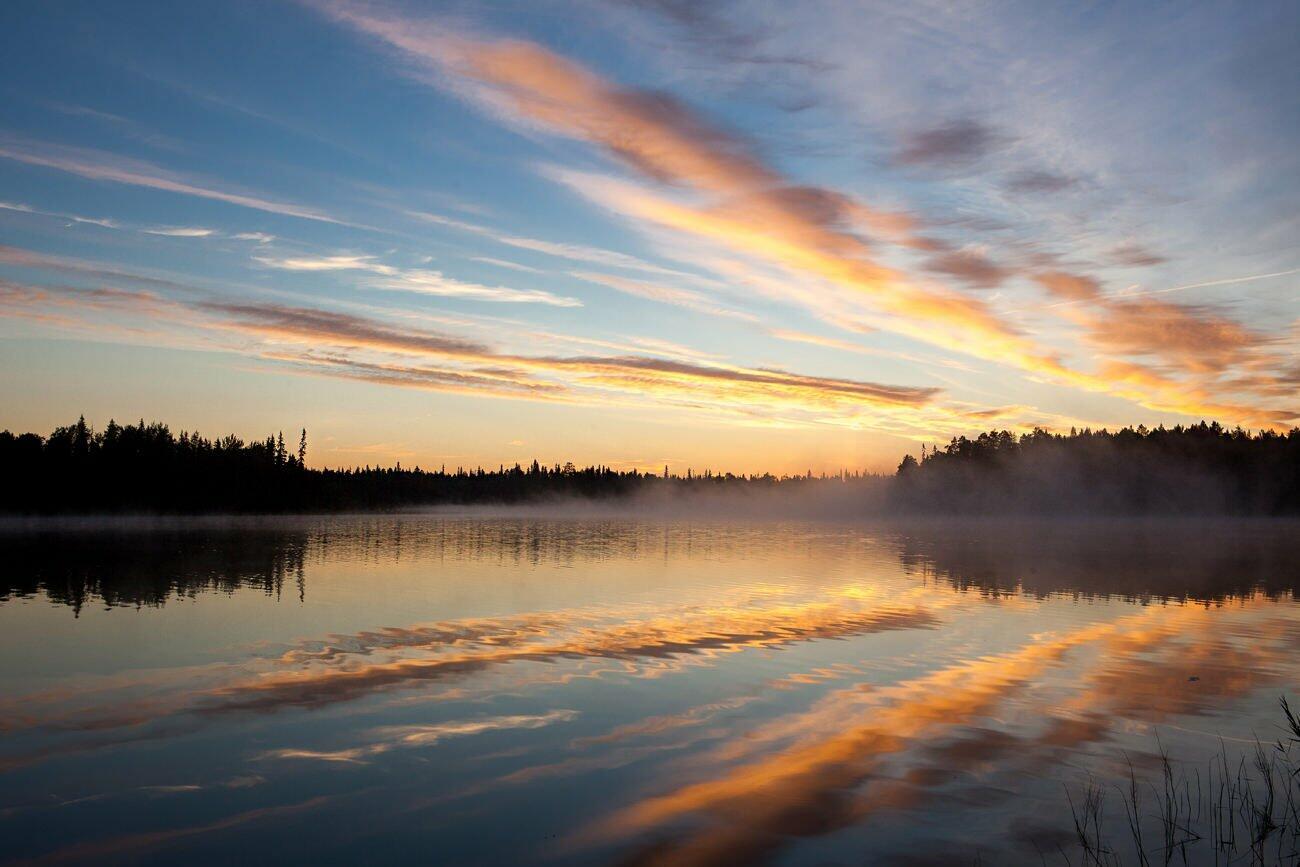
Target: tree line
[(1204, 469), (145, 467)]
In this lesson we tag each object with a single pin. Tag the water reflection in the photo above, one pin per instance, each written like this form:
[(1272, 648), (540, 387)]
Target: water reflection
[(1132, 559), (935, 728), (148, 561), (120, 564), (504, 690)]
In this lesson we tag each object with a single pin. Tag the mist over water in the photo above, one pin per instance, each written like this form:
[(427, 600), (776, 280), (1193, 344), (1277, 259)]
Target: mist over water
[(545, 684)]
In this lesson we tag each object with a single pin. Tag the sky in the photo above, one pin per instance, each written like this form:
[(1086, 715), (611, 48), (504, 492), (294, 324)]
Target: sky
[(744, 236)]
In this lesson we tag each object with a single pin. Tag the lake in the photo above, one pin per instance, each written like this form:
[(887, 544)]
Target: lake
[(502, 689)]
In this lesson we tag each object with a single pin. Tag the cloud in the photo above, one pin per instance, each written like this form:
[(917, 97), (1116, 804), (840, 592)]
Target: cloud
[(971, 267), (927, 313), (180, 232), (325, 263), (573, 252), (1070, 287), (1134, 255), (954, 143), (686, 298), (858, 349), (650, 131), (31, 259), (582, 253), (28, 209), (121, 124), (752, 393), (664, 378), (356, 347), (341, 329), (417, 280), (1040, 181), (436, 283), (774, 382), (502, 263), (772, 230), (167, 231), (715, 28), (100, 166), (483, 382), (1227, 281), (1197, 338)]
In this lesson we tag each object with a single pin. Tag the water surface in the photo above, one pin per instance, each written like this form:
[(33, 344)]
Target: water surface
[(492, 690)]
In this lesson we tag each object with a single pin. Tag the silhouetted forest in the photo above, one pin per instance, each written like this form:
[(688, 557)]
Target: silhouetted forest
[(146, 468), (1203, 469)]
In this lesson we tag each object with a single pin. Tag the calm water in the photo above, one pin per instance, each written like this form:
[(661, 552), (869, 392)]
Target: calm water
[(471, 690)]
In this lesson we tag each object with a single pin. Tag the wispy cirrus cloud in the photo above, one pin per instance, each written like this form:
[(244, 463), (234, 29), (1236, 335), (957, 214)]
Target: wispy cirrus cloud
[(118, 123), (728, 385), (687, 298), (255, 237), (162, 231), (181, 231), (794, 336), (420, 280), (101, 166), (558, 250), (364, 348), (326, 263), (652, 132), (24, 258), (75, 218), (505, 263)]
